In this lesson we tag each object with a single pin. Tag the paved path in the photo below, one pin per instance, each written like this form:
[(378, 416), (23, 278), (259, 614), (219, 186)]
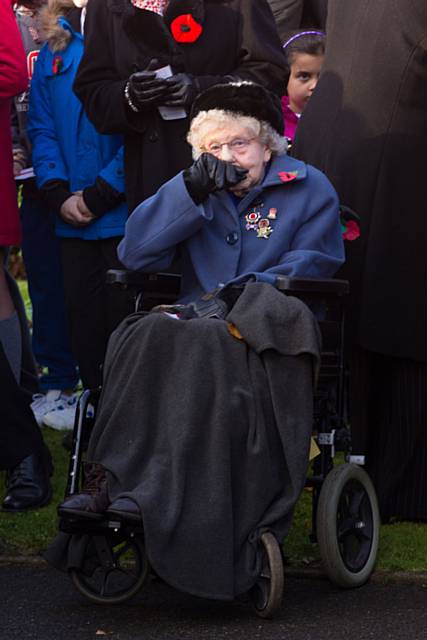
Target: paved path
[(41, 604)]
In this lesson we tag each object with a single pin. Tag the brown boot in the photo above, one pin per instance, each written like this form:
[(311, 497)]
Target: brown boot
[(93, 500)]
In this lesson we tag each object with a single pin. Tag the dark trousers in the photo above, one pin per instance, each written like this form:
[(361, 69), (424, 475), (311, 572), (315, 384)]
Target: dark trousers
[(50, 335), (19, 433), (94, 310), (389, 422)]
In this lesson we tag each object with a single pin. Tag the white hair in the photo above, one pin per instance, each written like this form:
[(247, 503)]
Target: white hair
[(207, 121)]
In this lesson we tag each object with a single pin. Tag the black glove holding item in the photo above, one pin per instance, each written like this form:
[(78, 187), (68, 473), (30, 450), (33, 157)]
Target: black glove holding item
[(182, 90), (145, 90), (208, 174)]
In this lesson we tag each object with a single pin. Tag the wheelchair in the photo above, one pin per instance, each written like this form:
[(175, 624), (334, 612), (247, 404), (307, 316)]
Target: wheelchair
[(345, 517)]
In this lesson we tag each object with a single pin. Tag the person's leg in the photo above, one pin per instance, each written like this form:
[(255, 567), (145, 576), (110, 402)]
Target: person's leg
[(50, 335), (397, 444), (119, 303), (85, 302), (22, 450), (93, 309), (10, 332)]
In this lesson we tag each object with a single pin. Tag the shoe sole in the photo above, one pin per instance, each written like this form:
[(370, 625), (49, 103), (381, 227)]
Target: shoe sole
[(87, 515), (123, 515)]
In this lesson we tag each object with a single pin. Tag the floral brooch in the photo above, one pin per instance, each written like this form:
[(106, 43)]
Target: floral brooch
[(185, 29)]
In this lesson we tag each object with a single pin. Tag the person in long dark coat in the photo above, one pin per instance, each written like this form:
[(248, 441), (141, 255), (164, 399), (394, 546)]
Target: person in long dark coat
[(23, 453), (296, 14), (237, 39), (366, 128)]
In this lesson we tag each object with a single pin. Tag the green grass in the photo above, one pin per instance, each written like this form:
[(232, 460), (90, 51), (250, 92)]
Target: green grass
[(31, 532), (23, 288), (403, 546)]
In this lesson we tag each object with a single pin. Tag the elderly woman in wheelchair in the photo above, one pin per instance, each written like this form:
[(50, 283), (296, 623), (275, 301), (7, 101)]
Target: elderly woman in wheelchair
[(203, 428)]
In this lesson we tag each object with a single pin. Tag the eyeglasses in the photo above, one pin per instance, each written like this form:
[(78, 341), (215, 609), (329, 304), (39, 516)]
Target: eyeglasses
[(237, 146)]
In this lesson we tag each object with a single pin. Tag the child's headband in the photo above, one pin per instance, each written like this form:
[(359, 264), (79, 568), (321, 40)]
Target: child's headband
[(303, 33)]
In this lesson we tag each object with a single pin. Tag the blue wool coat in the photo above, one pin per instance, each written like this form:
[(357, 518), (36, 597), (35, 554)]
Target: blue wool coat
[(220, 243), (66, 146)]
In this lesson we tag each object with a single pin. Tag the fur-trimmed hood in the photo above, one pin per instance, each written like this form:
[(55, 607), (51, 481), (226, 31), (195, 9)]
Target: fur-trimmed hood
[(52, 31)]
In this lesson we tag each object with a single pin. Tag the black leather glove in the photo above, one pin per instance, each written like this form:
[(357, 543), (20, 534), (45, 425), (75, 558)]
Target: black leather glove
[(182, 89), (208, 174), (144, 90)]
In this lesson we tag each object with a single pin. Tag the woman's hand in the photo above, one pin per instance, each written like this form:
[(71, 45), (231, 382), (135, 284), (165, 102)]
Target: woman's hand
[(144, 90), (181, 90), (208, 174)]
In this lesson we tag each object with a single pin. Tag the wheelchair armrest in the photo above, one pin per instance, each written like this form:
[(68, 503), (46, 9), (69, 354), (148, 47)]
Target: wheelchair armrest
[(147, 282), (312, 285)]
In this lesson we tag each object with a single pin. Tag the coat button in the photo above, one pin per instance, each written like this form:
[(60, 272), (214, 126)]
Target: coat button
[(153, 137), (51, 165), (232, 238)]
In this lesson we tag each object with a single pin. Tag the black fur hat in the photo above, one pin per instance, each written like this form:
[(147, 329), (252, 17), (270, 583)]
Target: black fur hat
[(246, 98)]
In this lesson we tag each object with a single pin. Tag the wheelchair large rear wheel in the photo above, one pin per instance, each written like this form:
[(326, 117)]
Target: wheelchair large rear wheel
[(114, 570), (267, 593), (348, 525)]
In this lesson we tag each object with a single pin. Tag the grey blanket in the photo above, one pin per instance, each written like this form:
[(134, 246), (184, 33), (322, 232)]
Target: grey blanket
[(210, 434)]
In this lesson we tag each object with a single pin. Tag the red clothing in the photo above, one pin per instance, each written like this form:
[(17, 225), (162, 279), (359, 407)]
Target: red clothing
[(290, 118), (13, 80)]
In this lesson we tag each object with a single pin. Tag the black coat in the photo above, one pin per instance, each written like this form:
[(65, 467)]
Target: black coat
[(366, 128), (239, 39), (19, 433), (296, 14)]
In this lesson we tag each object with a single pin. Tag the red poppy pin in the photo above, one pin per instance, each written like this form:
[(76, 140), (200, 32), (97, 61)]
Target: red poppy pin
[(350, 230), (185, 28), (349, 219), (57, 64), (287, 176)]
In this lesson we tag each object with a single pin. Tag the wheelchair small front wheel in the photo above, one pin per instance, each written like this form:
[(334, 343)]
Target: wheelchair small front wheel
[(114, 569), (267, 593), (348, 525)]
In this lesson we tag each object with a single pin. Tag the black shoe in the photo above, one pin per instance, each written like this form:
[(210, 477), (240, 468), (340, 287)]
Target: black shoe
[(93, 500), (125, 509), (28, 485)]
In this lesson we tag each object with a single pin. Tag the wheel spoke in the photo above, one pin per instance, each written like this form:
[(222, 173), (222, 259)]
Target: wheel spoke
[(346, 528), (356, 502), (126, 572), (122, 550), (106, 574)]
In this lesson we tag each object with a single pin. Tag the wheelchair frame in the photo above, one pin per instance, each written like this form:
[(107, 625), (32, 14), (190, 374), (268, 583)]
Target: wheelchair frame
[(345, 519)]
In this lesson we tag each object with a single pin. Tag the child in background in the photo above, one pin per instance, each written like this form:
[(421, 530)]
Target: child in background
[(304, 52)]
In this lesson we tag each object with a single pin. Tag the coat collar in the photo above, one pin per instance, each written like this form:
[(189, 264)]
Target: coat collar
[(150, 32), (283, 170)]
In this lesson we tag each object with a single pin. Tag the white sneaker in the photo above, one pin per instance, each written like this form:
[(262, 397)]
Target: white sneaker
[(62, 416), (44, 403)]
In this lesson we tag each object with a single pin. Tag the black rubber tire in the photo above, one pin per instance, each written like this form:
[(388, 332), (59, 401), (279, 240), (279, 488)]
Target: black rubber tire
[(267, 594), (348, 525), (136, 567)]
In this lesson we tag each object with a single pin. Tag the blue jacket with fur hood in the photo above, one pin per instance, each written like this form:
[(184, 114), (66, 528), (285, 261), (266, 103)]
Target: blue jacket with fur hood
[(66, 146), (221, 242)]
